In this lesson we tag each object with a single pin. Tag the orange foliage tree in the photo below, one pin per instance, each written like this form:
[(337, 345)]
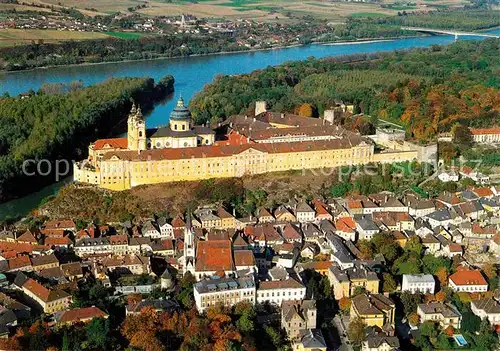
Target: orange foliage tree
[(442, 275), (413, 318), (306, 110), (345, 304)]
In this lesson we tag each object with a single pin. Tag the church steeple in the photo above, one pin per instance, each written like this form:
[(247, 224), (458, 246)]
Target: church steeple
[(136, 129), (189, 247)]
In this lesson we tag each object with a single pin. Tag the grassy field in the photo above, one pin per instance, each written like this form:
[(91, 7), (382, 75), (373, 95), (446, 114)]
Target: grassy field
[(124, 35), (10, 37), (367, 14)]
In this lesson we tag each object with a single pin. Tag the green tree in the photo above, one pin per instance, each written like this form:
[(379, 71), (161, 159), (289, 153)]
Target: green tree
[(470, 322), (389, 283), (414, 245), (97, 333), (429, 329), (462, 136), (356, 331), (410, 302), (443, 342), (340, 189)]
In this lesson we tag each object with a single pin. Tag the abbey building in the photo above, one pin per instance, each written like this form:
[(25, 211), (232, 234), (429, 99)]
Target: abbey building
[(265, 142)]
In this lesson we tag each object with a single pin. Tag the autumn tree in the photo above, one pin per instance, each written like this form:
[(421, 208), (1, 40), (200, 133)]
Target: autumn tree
[(345, 304), (442, 275), (306, 110), (140, 330), (414, 318), (366, 249)]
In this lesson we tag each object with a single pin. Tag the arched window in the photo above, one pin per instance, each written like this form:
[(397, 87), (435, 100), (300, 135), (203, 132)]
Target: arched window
[(183, 127), (140, 134), (175, 126)]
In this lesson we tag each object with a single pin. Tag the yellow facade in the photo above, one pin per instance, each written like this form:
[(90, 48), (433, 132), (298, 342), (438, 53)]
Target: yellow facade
[(120, 174), (152, 160)]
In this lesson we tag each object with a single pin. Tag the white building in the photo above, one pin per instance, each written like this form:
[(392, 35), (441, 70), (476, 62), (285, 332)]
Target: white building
[(226, 291), (92, 246), (278, 291), (423, 283), (304, 213), (486, 135), (488, 308), (445, 315), (468, 281), (448, 176)]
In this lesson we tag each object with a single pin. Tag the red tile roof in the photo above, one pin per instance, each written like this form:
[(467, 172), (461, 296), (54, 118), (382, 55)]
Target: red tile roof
[(38, 289), (482, 131), (59, 224), (81, 315), (345, 224), (19, 262), (21, 247), (27, 237), (291, 232), (114, 143), (178, 222), (118, 239), (244, 258), (317, 265), (52, 232), (230, 150), (468, 277), (214, 255), (280, 284), (483, 192), (454, 247), (52, 241)]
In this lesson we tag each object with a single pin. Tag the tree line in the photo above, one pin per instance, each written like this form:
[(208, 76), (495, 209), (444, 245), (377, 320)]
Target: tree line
[(426, 90), (59, 121)]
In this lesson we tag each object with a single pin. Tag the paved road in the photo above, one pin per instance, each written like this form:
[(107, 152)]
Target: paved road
[(342, 331)]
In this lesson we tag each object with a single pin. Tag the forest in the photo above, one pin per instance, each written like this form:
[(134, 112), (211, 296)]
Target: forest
[(59, 121), (390, 26), (427, 91), (41, 54)]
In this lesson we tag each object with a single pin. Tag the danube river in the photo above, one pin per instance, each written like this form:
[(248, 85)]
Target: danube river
[(191, 74)]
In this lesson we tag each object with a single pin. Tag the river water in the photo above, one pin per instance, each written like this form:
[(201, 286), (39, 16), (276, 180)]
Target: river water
[(191, 74)]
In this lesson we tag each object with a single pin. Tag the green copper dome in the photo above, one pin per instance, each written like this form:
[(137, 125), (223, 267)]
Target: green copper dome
[(180, 111)]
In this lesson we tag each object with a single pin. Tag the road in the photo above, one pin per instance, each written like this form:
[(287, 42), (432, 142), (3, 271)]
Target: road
[(342, 332)]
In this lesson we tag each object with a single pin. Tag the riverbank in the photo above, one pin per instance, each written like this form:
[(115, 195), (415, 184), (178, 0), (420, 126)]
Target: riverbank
[(242, 51)]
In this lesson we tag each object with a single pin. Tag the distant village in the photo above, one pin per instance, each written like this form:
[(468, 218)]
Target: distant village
[(266, 258), (248, 33)]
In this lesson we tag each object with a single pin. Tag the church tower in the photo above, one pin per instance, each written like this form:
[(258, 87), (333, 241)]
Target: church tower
[(189, 247), (136, 130), (180, 118)]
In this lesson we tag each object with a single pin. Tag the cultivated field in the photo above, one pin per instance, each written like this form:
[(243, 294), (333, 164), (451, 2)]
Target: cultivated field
[(9, 37), (254, 9)]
